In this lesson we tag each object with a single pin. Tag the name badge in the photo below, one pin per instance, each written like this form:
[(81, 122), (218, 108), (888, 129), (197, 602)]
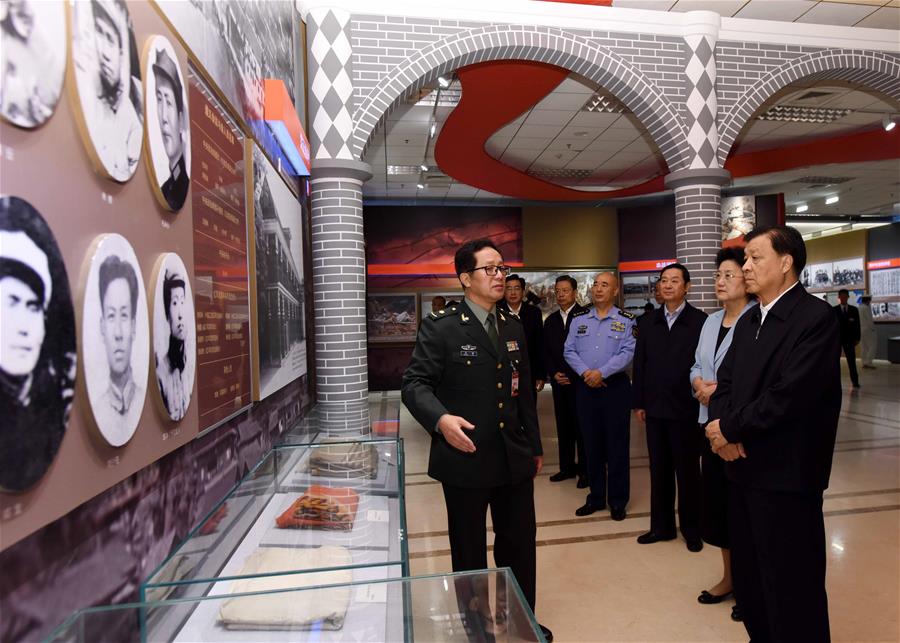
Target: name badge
[(582, 330), (468, 350), (511, 346), (515, 384)]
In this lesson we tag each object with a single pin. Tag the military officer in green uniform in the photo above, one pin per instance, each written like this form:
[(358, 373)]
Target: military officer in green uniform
[(469, 384)]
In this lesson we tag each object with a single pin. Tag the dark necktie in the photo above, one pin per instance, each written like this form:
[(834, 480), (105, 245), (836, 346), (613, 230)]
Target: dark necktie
[(491, 329)]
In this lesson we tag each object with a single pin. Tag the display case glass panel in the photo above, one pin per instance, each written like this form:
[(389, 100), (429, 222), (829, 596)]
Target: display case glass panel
[(485, 605)]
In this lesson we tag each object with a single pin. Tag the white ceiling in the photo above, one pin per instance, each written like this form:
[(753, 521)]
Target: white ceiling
[(599, 151)]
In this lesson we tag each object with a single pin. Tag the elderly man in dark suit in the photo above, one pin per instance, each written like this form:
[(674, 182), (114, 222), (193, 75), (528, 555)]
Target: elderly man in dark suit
[(664, 400), (851, 332), (469, 385), (562, 379), (774, 420)]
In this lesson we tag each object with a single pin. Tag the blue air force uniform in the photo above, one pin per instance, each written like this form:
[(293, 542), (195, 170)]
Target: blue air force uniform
[(604, 414)]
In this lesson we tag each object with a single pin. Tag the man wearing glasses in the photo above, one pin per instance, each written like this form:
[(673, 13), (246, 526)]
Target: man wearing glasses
[(469, 384)]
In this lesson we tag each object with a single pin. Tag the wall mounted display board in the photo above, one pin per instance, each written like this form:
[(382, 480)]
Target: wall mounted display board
[(105, 84), (738, 217), (834, 275), (239, 43), (306, 510), (221, 287), (541, 284), (392, 317), (37, 346), (115, 338), (278, 287), (168, 124), (324, 606), (32, 60), (884, 285), (636, 291), (174, 336)]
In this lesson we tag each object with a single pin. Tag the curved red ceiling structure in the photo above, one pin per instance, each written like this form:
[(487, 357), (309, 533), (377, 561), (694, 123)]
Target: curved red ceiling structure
[(496, 93)]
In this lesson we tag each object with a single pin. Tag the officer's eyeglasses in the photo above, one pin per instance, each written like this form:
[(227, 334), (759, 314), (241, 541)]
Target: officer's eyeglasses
[(727, 276), (492, 271)]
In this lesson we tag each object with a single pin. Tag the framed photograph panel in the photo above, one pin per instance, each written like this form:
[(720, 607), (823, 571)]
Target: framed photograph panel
[(174, 336), (540, 285), (392, 317)]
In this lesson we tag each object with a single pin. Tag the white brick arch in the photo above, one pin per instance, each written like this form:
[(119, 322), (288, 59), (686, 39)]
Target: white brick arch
[(871, 69), (628, 84)]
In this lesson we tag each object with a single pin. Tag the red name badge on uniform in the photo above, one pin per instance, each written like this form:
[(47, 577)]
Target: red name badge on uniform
[(515, 383)]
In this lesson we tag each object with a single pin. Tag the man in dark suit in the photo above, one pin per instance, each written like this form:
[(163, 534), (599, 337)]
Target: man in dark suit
[(851, 332), (469, 385), (774, 419), (663, 399), (530, 316), (562, 379)]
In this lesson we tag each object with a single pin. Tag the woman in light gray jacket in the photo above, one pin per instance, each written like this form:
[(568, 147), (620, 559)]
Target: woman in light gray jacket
[(715, 339)]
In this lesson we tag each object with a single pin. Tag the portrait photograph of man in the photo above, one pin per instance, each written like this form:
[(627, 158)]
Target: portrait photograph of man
[(174, 336), (108, 83), (168, 131), (116, 339), (37, 346), (32, 60)]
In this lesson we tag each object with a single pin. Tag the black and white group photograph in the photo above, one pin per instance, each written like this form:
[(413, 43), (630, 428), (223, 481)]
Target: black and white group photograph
[(174, 335), (38, 358), (848, 273), (115, 337), (168, 124), (108, 83), (32, 59), (239, 42), (278, 235), (738, 216)]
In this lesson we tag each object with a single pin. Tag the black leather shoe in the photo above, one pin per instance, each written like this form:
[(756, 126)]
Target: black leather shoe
[(653, 537), (546, 632), (736, 614), (586, 509), (562, 475), (582, 482), (708, 598), (694, 544), (617, 514)]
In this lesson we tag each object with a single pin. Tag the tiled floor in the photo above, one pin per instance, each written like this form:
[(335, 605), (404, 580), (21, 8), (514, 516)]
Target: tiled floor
[(595, 583)]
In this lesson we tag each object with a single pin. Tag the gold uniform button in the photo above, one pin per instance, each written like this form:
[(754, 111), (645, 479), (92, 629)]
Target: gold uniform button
[(502, 425), (499, 366), (499, 385), (500, 406), (468, 362)]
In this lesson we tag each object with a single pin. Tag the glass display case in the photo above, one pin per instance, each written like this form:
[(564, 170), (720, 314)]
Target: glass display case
[(332, 511), (485, 605), (377, 418)]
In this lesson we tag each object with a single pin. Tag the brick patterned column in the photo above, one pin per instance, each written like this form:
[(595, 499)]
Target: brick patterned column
[(339, 279), (698, 228)]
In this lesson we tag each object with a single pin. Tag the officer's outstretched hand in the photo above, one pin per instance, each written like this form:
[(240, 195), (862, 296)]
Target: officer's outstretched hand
[(451, 427)]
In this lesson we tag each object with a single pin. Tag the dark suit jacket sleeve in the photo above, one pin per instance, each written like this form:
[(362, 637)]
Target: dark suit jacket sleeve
[(638, 367), (790, 394), (535, 338), (423, 375), (855, 327)]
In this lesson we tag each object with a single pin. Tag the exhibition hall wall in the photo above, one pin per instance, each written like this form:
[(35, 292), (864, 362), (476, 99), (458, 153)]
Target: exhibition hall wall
[(147, 215)]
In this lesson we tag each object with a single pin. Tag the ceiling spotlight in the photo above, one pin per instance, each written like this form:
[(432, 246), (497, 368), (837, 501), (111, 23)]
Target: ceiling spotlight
[(443, 82), (887, 121), (421, 186), (423, 167), (433, 129), (832, 199), (802, 208)]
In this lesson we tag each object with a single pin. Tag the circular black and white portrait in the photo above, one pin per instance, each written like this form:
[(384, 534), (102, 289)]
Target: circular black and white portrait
[(174, 335), (108, 85), (32, 59), (115, 338), (168, 131), (38, 355)]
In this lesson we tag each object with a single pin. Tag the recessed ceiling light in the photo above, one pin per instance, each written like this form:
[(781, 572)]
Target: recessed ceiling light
[(579, 133), (832, 199), (433, 129), (421, 186), (802, 208), (887, 121), (443, 82), (423, 167)]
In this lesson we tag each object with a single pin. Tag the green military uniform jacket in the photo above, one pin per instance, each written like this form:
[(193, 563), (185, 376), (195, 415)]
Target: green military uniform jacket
[(455, 369)]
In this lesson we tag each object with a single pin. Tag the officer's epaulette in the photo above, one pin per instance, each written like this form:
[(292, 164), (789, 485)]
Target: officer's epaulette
[(581, 312), (626, 314), (444, 313), (507, 317)]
